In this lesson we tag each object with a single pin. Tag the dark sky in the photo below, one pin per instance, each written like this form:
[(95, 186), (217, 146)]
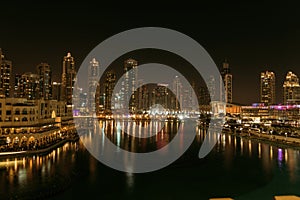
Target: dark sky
[(252, 36)]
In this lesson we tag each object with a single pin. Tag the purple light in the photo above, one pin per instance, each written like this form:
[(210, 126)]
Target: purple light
[(75, 112), (280, 156)]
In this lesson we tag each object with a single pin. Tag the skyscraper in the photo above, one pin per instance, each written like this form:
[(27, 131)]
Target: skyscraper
[(68, 78), (160, 95), (110, 81), (291, 88), (187, 99), (130, 82), (17, 86), (56, 91), (143, 97), (227, 79), (45, 83), (93, 83), (177, 90), (203, 97), (211, 86), (29, 86), (267, 88), (5, 77)]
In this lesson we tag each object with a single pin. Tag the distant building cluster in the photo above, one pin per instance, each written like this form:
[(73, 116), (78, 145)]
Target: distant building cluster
[(216, 91), (172, 96), (38, 86), (291, 88), (34, 110)]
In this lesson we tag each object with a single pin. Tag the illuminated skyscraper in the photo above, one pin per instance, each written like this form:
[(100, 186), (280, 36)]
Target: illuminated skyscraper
[(212, 88), (45, 75), (130, 82), (56, 91), (177, 89), (187, 99), (160, 95), (17, 85), (5, 77), (203, 98), (291, 88), (29, 86), (143, 97), (110, 81), (227, 79), (68, 78), (267, 88), (93, 83)]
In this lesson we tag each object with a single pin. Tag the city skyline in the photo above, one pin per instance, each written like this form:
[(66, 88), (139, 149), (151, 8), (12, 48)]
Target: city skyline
[(44, 72)]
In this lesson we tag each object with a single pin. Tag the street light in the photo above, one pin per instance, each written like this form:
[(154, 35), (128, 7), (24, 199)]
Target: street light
[(285, 135)]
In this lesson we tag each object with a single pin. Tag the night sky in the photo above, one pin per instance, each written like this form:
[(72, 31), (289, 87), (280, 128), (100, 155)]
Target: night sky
[(252, 36)]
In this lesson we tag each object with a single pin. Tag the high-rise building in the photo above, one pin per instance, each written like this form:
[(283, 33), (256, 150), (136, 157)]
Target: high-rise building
[(267, 88), (29, 86), (45, 83), (177, 90), (5, 77), (291, 89), (160, 95), (81, 103), (56, 91), (227, 79), (110, 81), (17, 86), (203, 97), (143, 97), (130, 82), (212, 88), (93, 83), (68, 78), (187, 99)]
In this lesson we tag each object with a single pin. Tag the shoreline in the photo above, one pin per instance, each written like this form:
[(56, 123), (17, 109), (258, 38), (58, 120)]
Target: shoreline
[(39, 151), (279, 142)]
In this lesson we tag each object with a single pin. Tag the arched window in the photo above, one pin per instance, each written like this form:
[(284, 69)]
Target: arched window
[(17, 111), (24, 119), (24, 111)]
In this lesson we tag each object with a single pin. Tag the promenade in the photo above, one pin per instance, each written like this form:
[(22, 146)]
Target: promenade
[(38, 151), (275, 140)]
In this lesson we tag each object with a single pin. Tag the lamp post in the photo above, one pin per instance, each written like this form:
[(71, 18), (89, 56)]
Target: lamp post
[(285, 135)]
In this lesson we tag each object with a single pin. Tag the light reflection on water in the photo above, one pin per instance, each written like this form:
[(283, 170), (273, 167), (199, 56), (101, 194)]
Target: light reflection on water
[(44, 174)]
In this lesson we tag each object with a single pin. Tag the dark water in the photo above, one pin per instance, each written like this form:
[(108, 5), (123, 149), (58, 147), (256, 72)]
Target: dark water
[(238, 168)]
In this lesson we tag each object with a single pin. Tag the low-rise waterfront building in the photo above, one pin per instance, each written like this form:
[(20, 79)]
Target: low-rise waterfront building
[(289, 114), (33, 123)]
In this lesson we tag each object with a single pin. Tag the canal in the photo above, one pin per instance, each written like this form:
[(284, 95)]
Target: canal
[(237, 167)]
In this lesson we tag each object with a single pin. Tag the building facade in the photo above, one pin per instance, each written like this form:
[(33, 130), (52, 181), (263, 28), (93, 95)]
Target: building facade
[(267, 88), (45, 81), (227, 80), (6, 82), (109, 84), (130, 83), (27, 86), (31, 123), (68, 78), (93, 86), (291, 89)]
